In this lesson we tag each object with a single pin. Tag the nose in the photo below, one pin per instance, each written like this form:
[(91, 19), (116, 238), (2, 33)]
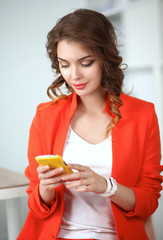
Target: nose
[(75, 74)]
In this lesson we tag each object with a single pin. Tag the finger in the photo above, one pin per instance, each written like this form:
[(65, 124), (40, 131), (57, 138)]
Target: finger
[(78, 167), (50, 173), (53, 186), (42, 169), (84, 189), (76, 184), (74, 176), (51, 181)]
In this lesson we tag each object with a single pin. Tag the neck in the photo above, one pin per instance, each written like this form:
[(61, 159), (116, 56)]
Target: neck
[(92, 103)]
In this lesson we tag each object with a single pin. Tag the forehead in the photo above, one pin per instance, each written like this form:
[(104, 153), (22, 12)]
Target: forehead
[(66, 49)]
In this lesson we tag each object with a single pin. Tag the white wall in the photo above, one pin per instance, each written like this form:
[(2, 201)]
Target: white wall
[(25, 75), (25, 70)]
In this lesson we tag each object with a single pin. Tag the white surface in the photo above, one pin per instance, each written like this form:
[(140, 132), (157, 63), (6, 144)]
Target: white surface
[(14, 192), (13, 218)]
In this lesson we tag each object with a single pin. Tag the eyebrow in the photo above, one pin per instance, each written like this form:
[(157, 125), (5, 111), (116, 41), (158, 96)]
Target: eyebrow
[(88, 56)]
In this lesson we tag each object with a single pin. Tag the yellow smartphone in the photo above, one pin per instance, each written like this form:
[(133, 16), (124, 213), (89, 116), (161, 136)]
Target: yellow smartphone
[(54, 161)]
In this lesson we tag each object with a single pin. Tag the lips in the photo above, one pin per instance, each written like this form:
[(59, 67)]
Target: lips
[(80, 86)]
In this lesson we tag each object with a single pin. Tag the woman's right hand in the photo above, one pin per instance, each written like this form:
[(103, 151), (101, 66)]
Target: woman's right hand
[(49, 180)]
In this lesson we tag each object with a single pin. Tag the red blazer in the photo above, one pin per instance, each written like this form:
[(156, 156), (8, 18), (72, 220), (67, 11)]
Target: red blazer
[(136, 164)]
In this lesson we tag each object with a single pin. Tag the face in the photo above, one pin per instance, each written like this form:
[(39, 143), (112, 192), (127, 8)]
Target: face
[(80, 68)]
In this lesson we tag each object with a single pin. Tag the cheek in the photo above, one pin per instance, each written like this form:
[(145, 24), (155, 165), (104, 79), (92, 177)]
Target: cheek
[(97, 73), (65, 75)]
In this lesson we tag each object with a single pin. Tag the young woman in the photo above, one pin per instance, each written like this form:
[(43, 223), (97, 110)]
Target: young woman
[(110, 140)]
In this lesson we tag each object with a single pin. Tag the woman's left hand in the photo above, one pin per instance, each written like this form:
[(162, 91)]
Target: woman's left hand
[(85, 180)]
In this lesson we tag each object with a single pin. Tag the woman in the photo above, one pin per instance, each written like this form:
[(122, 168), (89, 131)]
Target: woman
[(110, 140)]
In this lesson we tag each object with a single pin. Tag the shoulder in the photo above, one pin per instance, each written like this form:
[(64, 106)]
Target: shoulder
[(136, 110), (135, 104), (51, 112), (139, 116), (50, 107)]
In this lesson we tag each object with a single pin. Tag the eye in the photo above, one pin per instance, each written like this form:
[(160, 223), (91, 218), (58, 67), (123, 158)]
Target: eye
[(64, 66), (88, 63)]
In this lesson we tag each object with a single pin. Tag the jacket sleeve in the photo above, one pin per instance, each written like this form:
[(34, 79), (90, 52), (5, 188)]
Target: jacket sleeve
[(148, 186), (35, 148)]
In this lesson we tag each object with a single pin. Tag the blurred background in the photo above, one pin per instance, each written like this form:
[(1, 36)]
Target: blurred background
[(26, 70)]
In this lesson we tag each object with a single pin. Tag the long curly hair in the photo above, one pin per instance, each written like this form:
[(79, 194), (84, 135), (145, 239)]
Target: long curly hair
[(97, 34)]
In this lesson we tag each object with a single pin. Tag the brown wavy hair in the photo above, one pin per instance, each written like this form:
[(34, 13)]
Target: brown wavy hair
[(97, 34)]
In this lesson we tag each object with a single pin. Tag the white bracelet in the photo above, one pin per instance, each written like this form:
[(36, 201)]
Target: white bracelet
[(111, 187)]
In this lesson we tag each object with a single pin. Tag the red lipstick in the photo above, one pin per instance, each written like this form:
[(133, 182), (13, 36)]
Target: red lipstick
[(80, 86)]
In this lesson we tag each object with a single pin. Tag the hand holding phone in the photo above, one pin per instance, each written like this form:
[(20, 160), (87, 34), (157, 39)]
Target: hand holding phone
[(54, 161)]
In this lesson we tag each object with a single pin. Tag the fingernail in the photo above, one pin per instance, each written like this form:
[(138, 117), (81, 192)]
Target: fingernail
[(63, 178), (60, 169), (46, 166)]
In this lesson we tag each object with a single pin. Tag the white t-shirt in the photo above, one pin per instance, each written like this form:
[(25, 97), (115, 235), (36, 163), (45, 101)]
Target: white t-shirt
[(87, 215)]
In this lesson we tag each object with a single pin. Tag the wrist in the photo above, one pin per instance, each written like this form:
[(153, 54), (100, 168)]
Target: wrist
[(111, 187), (47, 196)]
